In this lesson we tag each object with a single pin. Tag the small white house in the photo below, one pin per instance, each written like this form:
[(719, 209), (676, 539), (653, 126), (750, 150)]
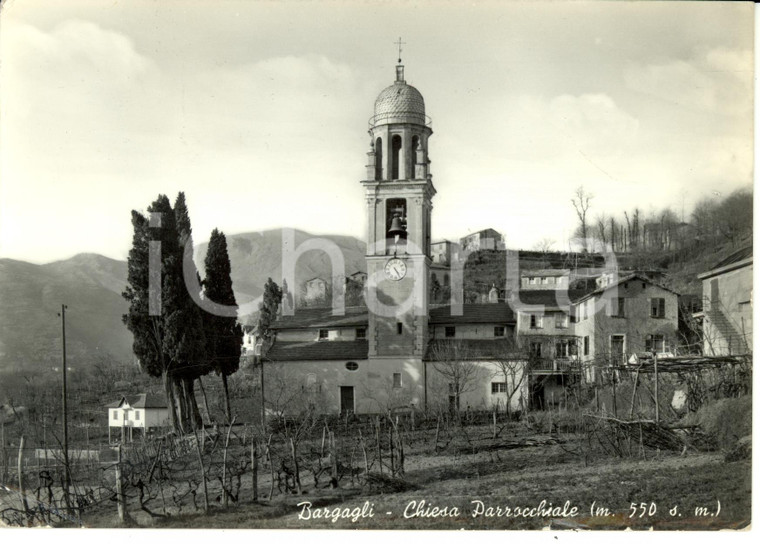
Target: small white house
[(145, 411)]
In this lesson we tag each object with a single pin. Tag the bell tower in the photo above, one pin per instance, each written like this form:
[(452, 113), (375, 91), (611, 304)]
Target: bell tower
[(399, 192)]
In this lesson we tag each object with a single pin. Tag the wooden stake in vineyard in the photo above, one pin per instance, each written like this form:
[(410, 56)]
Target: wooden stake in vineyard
[(203, 473), (255, 468), (21, 477)]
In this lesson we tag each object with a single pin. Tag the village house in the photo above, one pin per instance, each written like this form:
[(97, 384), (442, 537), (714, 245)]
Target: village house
[(626, 318), (483, 239), (549, 279), (145, 411), (545, 329), (315, 289), (441, 252), (727, 305)]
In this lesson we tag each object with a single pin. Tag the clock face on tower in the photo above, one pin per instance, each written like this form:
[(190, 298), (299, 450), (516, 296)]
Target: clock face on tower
[(395, 269)]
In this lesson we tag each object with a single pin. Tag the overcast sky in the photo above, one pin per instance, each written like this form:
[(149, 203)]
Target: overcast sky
[(258, 111)]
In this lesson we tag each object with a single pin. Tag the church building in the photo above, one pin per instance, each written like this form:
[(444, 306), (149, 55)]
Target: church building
[(398, 352)]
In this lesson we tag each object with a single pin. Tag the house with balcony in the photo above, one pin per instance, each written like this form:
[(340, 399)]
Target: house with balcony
[(545, 329)]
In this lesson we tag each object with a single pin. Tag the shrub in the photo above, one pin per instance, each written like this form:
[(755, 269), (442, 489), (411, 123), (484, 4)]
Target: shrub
[(724, 421)]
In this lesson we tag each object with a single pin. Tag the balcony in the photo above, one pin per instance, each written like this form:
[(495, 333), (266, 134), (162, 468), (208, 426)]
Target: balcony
[(561, 365)]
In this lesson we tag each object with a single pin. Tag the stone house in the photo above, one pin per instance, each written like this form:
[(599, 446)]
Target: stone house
[(315, 289), (483, 239), (630, 316)]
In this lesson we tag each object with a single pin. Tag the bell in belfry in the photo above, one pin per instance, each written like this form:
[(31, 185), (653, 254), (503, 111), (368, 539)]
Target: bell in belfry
[(397, 228)]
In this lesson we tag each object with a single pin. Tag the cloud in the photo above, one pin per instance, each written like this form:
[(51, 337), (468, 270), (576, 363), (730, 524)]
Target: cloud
[(564, 131), (92, 124), (717, 80)]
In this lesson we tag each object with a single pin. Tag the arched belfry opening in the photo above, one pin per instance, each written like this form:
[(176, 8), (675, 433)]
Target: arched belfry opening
[(379, 159), (395, 156), (413, 156), (395, 224)]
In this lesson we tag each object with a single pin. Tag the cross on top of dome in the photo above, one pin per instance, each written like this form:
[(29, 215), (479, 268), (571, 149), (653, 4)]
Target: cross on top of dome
[(399, 43)]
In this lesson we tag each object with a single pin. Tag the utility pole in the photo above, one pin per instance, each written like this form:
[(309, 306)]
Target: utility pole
[(67, 472)]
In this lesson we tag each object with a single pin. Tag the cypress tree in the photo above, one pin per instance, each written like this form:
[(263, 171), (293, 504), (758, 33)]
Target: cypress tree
[(185, 326), (268, 310), (170, 345), (224, 335)]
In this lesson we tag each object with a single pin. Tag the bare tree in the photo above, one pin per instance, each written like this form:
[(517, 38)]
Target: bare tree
[(581, 202), (454, 363), (511, 365), (601, 228), (544, 245)]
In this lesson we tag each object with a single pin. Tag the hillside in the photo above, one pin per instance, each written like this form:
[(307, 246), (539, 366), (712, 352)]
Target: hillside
[(257, 256), (91, 285), (30, 329)]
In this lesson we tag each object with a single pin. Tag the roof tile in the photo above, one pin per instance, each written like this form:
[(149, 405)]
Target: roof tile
[(325, 350)]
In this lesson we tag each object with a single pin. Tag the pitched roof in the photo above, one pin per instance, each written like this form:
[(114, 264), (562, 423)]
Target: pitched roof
[(304, 318), (472, 313), (545, 272), (443, 350), (634, 276), (546, 297), (143, 400), (324, 350), (735, 257)]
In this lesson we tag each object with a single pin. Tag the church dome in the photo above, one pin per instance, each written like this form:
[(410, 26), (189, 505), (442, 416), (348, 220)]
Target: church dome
[(399, 103)]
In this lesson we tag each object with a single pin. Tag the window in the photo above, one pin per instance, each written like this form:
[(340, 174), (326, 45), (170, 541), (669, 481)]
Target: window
[(564, 348), (584, 311), (536, 321), (544, 280), (561, 321), (361, 334), (397, 380), (655, 343), (535, 349), (498, 387), (137, 415), (617, 307), (323, 334), (617, 348), (352, 366), (451, 332), (499, 331), (399, 328), (115, 414), (657, 306), (532, 281)]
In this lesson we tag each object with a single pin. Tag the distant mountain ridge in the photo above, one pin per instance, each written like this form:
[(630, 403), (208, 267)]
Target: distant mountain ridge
[(91, 285), (256, 256)]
